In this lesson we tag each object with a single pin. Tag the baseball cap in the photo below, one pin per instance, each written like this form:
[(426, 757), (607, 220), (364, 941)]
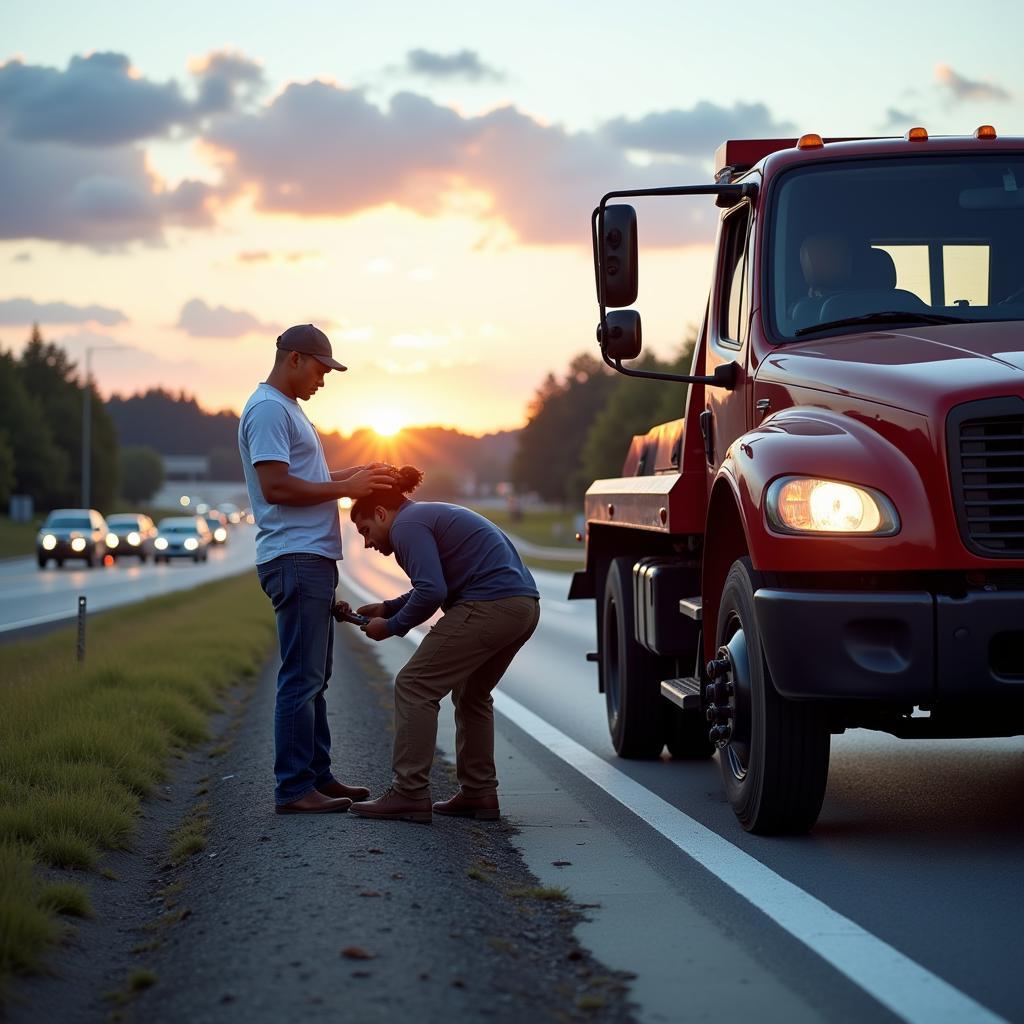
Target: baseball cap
[(311, 341)]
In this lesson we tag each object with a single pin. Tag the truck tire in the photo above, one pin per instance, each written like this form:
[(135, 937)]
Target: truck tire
[(632, 675), (775, 763)]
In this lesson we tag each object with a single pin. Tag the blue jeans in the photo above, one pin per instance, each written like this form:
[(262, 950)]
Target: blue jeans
[(301, 587)]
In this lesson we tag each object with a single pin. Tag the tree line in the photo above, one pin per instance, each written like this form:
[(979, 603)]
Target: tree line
[(580, 424), (41, 400)]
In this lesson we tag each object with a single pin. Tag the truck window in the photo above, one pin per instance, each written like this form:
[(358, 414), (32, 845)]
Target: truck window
[(733, 302), (962, 269), (936, 234)]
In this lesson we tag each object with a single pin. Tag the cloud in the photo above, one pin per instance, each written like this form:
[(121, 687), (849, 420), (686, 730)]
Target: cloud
[(203, 321), (541, 180), (97, 101), (71, 167), (224, 77), (900, 119), (464, 64), (696, 132), (97, 197), (101, 100), (27, 311), (965, 89), (265, 256)]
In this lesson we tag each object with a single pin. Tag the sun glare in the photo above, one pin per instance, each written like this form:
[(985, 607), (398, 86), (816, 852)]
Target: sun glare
[(386, 422)]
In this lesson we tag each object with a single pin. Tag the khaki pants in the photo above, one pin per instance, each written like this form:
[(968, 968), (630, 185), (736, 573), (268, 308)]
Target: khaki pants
[(465, 654)]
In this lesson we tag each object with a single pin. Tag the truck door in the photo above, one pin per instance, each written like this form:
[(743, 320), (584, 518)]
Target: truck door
[(726, 412)]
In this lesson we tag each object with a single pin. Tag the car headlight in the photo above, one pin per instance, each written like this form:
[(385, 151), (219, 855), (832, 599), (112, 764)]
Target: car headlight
[(220, 534), (49, 542), (191, 543), (160, 543), (78, 544), (112, 540), (798, 504), (133, 538)]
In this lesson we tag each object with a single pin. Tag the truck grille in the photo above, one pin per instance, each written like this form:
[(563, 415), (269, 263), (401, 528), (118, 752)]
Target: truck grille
[(986, 461)]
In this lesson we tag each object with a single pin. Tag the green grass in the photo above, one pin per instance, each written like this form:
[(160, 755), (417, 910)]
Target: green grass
[(18, 538), (547, 893), (547, 527), (192, 835), (550, 528), (81, 745)]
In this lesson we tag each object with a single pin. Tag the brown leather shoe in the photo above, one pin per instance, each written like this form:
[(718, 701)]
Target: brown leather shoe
[(483, 808), (339, 789), (314, 802), (394, 805)]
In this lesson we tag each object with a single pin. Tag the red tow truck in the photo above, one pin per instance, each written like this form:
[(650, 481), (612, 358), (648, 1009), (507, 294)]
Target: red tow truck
[(832, 536)]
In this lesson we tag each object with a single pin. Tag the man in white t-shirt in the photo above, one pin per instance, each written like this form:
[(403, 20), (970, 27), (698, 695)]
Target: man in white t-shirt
[(294, 499)]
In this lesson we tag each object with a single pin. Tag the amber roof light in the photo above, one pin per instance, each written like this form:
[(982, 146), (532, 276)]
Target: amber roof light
[(810, 141), (917, 135), (985, 131)]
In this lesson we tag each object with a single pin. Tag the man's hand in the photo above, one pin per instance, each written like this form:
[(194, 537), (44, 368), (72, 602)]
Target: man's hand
[(377, 629), (372, 611), (342, 608), (366, 481)]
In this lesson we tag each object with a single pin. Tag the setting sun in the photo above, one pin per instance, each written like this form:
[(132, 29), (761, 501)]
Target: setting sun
[(386, 422)]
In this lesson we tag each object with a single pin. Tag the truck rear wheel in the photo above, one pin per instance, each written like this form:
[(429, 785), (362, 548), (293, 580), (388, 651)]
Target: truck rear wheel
[(632, 675), (775, 762)]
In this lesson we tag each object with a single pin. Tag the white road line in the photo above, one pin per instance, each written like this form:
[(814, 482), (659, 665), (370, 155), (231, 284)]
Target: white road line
[(897, 982)]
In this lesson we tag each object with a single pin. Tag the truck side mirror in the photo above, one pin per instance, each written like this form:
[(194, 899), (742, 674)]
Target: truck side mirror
[(623, 338), (617, 257)]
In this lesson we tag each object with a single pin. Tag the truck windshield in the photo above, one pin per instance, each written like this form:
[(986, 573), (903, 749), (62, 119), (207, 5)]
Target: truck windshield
[(907, 241)]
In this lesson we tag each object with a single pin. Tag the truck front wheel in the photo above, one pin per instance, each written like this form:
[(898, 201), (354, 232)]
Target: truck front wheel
[(775, 760), (632, 675)]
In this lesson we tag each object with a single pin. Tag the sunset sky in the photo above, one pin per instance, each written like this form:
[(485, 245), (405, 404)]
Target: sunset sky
[(183, 181)]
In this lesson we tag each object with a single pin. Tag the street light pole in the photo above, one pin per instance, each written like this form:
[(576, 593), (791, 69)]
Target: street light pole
[(87, 423)]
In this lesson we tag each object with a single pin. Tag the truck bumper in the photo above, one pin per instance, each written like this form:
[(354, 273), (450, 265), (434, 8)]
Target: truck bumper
[(905, 647)]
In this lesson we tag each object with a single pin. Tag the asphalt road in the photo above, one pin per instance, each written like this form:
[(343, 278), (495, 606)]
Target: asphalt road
[(919, 842), (31, 597)]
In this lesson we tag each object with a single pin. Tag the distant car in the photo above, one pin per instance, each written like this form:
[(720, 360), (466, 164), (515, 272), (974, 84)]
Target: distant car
[(182, 537), (72, 533), (217, 522), (131, 534), (231, 511)]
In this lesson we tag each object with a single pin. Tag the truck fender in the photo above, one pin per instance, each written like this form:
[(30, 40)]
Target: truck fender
[(814, 443)]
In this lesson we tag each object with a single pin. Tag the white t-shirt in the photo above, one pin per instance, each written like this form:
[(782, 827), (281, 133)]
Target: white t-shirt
[(273, 428)]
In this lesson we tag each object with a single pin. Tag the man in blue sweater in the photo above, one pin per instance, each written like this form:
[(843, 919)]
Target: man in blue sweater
[(462, 563)]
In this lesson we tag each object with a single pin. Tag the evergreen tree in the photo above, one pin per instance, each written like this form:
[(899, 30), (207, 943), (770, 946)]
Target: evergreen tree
[(50, 378), (41, 468)]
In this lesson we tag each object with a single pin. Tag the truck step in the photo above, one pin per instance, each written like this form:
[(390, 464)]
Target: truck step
[(691, 607), (684, 692)]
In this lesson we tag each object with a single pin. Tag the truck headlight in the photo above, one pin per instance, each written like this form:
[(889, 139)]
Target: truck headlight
[(191, 543), (220, 534), (49, 542), (798, 504), (133, 538), (78, 544), (112, 540), (160, 544)]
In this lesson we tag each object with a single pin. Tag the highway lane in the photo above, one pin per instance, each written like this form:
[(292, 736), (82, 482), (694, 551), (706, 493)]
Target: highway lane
[(919, 842), (32, 597)]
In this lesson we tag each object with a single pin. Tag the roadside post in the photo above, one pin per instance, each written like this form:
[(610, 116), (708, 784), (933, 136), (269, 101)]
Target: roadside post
[(81, 627)]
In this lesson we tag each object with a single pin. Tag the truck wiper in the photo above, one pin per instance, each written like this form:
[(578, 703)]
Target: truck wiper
[(888, 316)]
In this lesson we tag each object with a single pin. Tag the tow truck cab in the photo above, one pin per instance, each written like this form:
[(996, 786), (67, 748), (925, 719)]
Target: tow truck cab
[(832, 535)]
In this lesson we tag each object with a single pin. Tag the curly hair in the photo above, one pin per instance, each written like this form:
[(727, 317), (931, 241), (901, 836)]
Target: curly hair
[(407, 479)]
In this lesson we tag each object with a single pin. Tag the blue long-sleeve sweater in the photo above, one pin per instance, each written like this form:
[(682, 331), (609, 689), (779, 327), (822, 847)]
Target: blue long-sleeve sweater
[(451, 554)]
